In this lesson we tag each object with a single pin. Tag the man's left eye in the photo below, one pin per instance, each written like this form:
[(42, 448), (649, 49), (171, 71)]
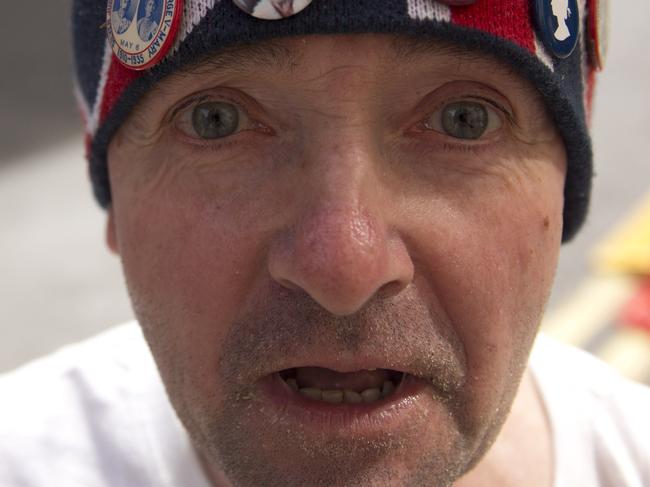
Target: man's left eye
[(467, 120), (212, 120)]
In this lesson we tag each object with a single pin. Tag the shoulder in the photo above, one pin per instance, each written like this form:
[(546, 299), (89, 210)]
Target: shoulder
[(90, 414), (598, 418)]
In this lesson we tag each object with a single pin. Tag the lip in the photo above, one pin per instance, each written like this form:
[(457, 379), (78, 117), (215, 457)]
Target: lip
[(405, 404)]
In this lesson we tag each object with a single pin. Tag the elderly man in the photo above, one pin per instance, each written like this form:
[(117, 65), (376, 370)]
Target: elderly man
[(339, 231)]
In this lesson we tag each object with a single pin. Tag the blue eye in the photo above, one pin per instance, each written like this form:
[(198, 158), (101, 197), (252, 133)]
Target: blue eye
[(467, 120), (215, 120)]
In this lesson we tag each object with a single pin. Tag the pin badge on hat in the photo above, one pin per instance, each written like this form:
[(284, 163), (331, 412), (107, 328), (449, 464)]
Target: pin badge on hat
[(272, 9), (141, 32), (598, 31), (558, 24)]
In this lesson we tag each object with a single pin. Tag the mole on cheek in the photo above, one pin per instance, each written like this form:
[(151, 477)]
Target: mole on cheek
[(547, 223)]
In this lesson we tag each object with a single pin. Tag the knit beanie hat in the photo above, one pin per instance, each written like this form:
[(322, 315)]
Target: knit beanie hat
[(556, 44)]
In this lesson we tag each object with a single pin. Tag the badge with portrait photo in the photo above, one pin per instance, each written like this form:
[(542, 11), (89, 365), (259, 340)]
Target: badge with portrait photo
[(141, 32), (558, 24), (272, 9)]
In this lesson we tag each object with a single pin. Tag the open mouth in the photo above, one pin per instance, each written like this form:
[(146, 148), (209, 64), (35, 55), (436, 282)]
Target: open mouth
[(348, 402), (332, 387)]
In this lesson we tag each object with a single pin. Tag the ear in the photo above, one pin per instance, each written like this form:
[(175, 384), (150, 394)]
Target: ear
[(111, 234)]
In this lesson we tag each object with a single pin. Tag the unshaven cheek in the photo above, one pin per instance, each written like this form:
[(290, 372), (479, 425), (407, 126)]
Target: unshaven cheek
[(490, 271), (189, 262)]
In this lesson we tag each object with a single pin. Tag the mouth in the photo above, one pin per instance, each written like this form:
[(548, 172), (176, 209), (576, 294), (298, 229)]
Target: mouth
[(324, 385), (360, 403)]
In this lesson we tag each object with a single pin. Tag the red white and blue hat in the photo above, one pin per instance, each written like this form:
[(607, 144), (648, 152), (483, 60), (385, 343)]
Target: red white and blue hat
[(123, 47)]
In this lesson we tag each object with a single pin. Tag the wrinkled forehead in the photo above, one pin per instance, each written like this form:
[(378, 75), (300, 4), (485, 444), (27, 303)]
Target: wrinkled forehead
[(396, 53)]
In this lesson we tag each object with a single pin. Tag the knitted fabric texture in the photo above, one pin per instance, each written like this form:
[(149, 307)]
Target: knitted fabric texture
[(503, 29)]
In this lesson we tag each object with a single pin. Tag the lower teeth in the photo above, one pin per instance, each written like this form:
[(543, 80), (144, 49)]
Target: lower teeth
[(338, 396)]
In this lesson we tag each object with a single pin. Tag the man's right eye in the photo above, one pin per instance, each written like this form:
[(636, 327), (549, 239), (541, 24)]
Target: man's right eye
[(212, 120)]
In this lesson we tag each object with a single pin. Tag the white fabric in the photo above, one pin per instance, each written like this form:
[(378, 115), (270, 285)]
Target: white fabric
[(428, 10), (93, 415), (600, 421), (193, 13), (96, 415)]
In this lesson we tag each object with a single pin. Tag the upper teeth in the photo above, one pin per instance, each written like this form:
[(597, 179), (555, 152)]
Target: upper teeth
[(338, 396)]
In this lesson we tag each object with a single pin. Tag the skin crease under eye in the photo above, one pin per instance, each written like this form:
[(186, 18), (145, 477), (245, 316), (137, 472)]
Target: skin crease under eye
[(479, 231)]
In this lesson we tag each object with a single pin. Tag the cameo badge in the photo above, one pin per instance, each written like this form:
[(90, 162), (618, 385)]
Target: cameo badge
[(558, 23), (141, 32)]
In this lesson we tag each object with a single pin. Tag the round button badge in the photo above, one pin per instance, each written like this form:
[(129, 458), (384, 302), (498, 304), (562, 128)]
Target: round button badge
[(558, 23), (272, 9), (141, 32)]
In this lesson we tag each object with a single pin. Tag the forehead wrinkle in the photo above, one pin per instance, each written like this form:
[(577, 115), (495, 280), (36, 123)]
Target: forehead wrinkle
[(244, 59)]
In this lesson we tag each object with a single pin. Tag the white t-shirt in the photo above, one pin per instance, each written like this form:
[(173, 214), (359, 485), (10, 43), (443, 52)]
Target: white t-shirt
[(95, 414), (599, 420)]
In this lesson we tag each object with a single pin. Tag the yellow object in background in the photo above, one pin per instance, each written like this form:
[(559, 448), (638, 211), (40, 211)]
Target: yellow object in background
[(627, 249)]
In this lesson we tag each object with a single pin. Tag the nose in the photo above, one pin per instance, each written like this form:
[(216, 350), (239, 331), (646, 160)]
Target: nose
[(341, 250)]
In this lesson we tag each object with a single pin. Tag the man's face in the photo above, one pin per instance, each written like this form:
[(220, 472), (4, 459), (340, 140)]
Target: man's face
[(380, 204), (149, 8)]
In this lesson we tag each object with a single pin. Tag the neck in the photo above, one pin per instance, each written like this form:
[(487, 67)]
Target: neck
[(523, 452)]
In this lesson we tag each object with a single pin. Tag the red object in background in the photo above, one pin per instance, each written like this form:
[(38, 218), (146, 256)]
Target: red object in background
[(637, 311)]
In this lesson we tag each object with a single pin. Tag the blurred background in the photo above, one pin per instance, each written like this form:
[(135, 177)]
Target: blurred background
[(59, 284)]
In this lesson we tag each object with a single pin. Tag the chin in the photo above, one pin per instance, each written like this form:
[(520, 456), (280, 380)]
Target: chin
[(410, 438)]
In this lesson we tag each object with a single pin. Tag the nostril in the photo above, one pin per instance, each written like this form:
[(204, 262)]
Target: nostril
[(286, 283), (392, 288)]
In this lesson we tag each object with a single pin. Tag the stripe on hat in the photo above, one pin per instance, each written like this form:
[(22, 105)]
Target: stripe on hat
[(496, 18), (94, 119), (193, 12), (428, 10), (542, 54), (118, 79), (89, 37)]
